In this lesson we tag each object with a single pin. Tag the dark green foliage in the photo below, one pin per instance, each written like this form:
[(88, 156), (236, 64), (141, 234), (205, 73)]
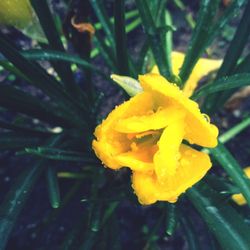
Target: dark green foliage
[(55, 127)]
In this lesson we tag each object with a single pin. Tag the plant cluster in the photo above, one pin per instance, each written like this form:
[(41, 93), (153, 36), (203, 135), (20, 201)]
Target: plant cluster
[(52, 121)]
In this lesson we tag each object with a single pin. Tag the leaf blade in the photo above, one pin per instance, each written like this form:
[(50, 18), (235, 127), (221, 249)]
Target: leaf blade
[(230, 82), (226, 224), (233, 169)]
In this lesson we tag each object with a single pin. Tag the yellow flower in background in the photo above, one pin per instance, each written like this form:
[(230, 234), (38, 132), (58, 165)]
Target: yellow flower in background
[(146, 134), (18, 13), (239, 198), (201, 69)]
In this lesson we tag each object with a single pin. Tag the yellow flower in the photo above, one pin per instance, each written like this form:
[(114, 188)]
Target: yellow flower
[(201, 69), (146, 134), (239, 198), (18, 13)]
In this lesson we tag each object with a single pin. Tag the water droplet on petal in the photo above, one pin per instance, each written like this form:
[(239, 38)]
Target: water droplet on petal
[(207, 118)]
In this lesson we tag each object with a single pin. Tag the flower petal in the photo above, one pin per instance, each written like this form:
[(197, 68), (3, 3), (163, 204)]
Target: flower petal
[(201, 69), (139, 160), (109, 142), (193, 166), (199, 130), (152, 121), (167, 157)]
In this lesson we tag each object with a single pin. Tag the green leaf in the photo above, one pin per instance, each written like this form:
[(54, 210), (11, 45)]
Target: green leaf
[(53, 214), (53, 187), (58, 154), (228, 82), (129, 27), (16, 100), (199, 37), (130, 85), (52, 55), (231, 58), (109, 212), (244, 65), (160, 13), (231, 133), (231, 11), (15, 200), (128, 15), (46, 20), (153, 233), (12, 140), (99, 219), (233, 169), (25, 129), (17, 196), (133, 25), (226, 224), (222, 185), (237, 45), (171, 220), (6, 65), (74, 234), (121, 38), (96, 216), (105, 50), (143, 58), (101, 13), (190, 234), (155, 40), (168, 38), (39, 78)]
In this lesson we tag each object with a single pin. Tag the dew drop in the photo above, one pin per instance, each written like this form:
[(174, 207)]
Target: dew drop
[(207, 118)]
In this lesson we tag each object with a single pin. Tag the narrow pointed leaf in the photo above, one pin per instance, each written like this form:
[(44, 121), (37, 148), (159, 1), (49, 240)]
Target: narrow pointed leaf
[(233, 169), (6, 65), (155, 40), (121, 38), (74, 234), (53, 214), (237, 44), (101, 13), (46, 20), (17, 196), (199, 37), (231, 133), (25, 130), (228, 82), (16, 100), (190, 234), (39, 78), (52, 55), (171, 219), (53, 187), (226, 224), (58, 154), (231, 58), (105, 50), (12, 140), (15, 200)]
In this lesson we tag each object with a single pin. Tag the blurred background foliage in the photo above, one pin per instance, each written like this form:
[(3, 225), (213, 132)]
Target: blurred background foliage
[(56, 59)]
